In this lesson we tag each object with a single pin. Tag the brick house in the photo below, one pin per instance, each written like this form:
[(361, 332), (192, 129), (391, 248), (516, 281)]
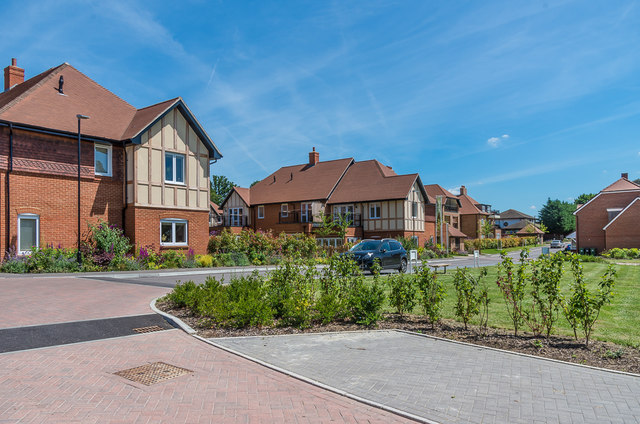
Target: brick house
[(236, 209), (453, 237), (215, 216), (146, 170), (473, 215), (377, 201), (611, 219)]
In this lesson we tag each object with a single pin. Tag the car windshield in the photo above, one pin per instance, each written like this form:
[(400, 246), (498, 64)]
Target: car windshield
[(366, 245)]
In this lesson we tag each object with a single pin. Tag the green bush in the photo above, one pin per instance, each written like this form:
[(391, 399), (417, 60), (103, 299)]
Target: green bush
[(335, 283), (491, 243), (432, 293), (402, 295), (365, 302), (185, 295), (246, 302), (618, 253), (51, 259)]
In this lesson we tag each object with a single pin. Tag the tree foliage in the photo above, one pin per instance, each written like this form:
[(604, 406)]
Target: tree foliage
[(557, 216), (584, 198), (220, 187)]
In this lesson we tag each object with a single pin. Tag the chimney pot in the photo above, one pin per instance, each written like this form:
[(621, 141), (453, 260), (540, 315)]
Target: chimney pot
[(13, 75), (463, 190), (625, 175), (314, 157)]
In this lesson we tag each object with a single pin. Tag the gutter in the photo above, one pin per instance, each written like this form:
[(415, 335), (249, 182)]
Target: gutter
[(42, 130), (126, 200)]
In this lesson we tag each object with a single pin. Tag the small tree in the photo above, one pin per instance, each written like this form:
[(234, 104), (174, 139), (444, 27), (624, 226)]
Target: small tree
[(403, 293), (512, 284), (467, 296), (545, 291), (432, 294), (487, 229), (583, 308)]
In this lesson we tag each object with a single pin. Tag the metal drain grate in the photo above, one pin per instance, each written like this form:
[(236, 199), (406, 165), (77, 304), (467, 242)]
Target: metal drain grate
[(152, 373), (148, 329)]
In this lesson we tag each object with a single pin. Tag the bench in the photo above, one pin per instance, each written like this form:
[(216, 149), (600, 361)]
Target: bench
[(438, 266)]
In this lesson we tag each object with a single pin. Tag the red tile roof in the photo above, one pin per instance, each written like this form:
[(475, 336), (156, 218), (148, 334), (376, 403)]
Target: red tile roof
[(244, 194), (216, 208), (369, 180), (468, 206), (454, 232), (299, 183), (622, 184), (38, 103), (434, 190)]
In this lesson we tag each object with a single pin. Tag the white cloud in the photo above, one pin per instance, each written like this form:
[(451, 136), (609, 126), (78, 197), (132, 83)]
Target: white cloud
[(495, 141), (454, 191), (533, 207)]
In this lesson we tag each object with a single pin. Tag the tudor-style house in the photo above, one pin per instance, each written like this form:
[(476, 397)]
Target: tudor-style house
[(146, 170), (611, 219), (370, 197)]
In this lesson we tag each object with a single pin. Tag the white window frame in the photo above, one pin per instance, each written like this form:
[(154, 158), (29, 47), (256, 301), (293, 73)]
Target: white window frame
[(109, 148), (173, 222), (31, 216), (284, 210), (261, 212), (184, 166), (376, 208), (305, 212), (343, 210), (235, 217)]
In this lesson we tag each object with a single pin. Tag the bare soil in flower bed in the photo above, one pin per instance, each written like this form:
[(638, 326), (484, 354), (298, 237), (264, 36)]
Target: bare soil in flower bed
[(599, 354)]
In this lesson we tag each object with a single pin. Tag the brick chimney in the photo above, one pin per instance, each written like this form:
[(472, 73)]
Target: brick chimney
[(463, 190), (314, 157), (625, 175), (13, 75)]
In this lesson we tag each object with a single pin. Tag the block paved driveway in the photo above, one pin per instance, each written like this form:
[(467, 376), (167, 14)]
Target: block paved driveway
[(75, 383), (450, 382)]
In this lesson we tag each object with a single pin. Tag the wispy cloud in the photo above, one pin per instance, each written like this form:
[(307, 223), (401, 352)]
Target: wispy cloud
[(496, 141)]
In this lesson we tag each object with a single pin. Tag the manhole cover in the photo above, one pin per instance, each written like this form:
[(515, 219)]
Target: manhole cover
[(148, 329), (152, 373)]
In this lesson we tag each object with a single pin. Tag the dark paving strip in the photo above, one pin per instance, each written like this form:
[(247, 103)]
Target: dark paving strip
[(141, 281), (22, 338)]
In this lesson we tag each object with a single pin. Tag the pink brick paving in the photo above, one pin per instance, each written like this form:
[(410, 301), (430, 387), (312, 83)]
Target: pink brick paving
[(30, 301), (75, 384)]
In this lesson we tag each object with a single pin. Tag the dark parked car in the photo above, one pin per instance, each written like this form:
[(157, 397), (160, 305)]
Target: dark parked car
[(389, 252)]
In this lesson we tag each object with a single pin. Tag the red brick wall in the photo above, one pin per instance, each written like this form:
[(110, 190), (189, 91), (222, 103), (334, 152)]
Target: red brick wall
[(143, 227), (592, 218), (469, 225), (44, 182), (625, 230)]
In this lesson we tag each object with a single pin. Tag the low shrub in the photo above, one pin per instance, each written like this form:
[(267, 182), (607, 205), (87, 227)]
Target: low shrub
[(402, 295), (621, 253), (205, 261), (365, 302), (491, 243)]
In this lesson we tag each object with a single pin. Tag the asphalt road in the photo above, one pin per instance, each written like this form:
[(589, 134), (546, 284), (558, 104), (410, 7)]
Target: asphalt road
[(171, 278)]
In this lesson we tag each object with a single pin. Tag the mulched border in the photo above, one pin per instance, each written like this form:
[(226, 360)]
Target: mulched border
[(599, 354)]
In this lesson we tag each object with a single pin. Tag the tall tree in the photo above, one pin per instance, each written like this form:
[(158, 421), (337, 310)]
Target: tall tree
[(220, 187), (584, 198), (254, 183), (557, 216)]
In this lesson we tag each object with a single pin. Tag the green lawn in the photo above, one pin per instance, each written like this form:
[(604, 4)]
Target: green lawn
[(619, 321)]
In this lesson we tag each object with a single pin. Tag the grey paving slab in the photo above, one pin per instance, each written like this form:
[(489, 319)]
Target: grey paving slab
[(450, 382)]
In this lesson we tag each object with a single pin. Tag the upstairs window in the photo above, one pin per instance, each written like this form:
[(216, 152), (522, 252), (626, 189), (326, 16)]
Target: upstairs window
[(374, 211), (284, 210), (174, 168), (260, 212), (305, 212), (173, 232), (102, 159), (414, 209)]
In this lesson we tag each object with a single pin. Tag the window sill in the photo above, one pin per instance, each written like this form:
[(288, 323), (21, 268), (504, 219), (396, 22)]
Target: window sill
[(174, 183), (174, 244)]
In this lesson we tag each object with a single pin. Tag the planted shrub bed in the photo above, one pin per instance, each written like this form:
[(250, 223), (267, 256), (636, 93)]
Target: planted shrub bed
[(546, 294)]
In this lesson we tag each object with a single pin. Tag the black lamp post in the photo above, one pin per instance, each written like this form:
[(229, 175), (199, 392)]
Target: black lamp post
[(79, 256)]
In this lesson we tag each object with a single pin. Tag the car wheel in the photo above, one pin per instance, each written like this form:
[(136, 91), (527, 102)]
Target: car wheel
[(403, 266)]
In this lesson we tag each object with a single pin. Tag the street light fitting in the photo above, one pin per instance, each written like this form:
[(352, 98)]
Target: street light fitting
[(82, 116)]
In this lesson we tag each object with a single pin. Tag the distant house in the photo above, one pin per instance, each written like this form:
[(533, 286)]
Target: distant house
[(371, 197), (512, 216), (215, 216), (611, 219), (450, 211), (145, 170), (236, 209), (473, 215)]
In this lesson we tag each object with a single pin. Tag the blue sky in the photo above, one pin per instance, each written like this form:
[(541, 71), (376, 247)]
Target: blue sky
[(517, 100)]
